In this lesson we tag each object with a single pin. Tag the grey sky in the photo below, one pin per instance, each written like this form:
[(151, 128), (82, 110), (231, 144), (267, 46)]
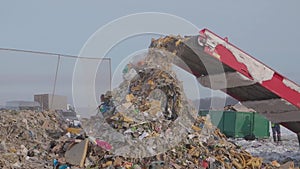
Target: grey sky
[(268, 30)]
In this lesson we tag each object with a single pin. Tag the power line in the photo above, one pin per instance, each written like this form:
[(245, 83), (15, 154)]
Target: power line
[(52, 54)]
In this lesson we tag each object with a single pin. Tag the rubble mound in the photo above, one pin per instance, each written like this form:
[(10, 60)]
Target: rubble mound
[(25, 138)]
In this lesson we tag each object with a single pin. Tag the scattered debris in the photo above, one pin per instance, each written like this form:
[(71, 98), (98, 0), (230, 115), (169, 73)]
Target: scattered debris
[(145, 123), (25, 138), (204, 146)]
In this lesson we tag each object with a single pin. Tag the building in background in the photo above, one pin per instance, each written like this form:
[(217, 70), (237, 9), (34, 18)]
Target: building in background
[(48, 103), (23, 105)]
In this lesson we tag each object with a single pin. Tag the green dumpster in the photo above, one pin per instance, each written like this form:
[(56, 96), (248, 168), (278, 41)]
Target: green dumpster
[(261, 127), (239, 124)]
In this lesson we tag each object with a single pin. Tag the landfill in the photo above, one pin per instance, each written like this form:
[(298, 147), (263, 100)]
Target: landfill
[(145, 123), (38, 140)]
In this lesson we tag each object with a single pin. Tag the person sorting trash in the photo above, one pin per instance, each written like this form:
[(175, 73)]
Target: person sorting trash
[(276, 132)]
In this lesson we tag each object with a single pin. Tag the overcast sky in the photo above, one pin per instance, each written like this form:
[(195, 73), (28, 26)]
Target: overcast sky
[(268, 30)]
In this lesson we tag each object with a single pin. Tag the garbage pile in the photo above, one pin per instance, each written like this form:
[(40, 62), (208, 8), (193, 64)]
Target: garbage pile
[(203, 147), (38, 140), (25, 137), (145, 123), (147, 114)]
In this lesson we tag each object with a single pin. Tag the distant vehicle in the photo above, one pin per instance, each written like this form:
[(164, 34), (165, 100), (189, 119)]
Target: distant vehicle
[(69, 117)]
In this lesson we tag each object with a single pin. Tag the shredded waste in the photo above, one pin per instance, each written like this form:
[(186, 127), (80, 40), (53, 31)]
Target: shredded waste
[(145, 123), (25, 144), (39, 140)]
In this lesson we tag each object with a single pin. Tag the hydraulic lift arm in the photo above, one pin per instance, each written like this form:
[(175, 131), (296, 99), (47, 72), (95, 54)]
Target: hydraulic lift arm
[(219, 65)]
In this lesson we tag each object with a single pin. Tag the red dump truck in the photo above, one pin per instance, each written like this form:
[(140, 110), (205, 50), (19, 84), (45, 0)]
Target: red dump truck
[(219, 65)]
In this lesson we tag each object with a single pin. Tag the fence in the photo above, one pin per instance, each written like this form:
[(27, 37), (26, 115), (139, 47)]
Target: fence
[(26, 73)]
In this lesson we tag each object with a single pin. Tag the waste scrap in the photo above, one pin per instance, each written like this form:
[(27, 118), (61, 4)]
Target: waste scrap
[(25, 138), (149, 113), (203, 147), (37, 140), (145, 123), (150, 105)]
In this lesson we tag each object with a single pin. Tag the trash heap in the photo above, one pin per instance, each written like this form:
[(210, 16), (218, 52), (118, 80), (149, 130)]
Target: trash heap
[(39, 140), (147, 114), (145, 123), (25, 137), (203, 147), (151, 124)]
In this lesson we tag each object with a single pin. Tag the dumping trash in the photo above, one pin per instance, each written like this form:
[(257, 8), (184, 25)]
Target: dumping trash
[(148, 110), (147, 106), (146, 123)]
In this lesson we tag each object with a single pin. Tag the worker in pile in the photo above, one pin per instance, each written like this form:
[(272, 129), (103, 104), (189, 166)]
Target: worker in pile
[(106, 105), (276, 132)]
